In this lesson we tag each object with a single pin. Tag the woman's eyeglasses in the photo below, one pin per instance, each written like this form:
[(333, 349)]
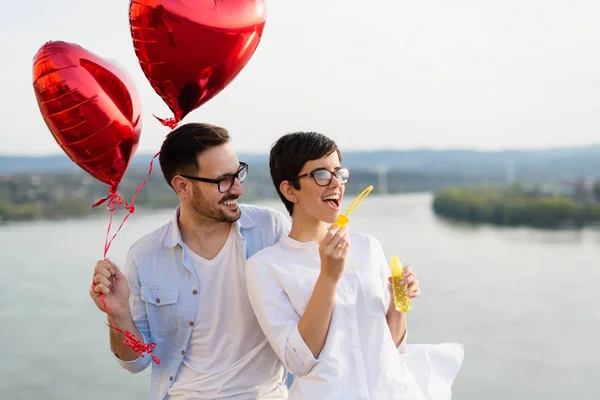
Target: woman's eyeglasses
[(323, 176)]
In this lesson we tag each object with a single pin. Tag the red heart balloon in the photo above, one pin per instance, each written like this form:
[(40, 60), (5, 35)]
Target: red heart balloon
[(190, 50), (91, 108)]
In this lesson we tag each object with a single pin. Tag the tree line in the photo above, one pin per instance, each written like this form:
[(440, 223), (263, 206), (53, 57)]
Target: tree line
[(34, 196), (515, 206)]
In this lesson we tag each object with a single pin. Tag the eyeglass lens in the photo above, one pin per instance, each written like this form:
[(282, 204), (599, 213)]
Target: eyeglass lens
[(323, 177), (227, 182)]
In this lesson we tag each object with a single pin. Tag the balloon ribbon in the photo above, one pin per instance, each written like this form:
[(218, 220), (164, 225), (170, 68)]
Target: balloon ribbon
[(113, 200), (168, 122)]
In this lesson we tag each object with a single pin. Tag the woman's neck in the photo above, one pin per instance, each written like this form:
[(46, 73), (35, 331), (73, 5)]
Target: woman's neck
[(306, 229)]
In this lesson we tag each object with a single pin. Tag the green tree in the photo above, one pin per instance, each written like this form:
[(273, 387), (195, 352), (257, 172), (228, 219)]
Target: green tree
[(510, 206)]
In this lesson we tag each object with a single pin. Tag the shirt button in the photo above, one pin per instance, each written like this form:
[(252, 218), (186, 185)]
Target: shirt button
[(195, 291), (182, 352), (170, 378), (157, 301), (191, 323)]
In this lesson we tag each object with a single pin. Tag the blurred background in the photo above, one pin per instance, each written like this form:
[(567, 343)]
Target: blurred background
[(477, 122)]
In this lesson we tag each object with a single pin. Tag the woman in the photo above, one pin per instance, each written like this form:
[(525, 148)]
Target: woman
[(321, 294)]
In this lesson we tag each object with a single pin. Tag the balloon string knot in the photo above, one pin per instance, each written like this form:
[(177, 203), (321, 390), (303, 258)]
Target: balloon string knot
[(137, 346), (168, 122)]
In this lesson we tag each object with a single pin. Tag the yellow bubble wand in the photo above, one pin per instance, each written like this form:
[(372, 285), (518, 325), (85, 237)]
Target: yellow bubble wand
[(342, 219)]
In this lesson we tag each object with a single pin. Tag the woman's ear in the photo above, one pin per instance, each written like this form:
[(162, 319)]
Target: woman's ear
[(288, 191)]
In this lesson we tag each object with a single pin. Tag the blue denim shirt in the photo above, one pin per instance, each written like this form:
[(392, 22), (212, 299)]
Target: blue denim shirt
[(157, 267)]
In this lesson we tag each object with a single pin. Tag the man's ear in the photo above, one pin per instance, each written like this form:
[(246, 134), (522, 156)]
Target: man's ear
[(181, 186), (288, 191)]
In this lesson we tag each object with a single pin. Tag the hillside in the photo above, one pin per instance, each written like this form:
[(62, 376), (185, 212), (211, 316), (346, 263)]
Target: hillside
[(561, 164), (54, 187)]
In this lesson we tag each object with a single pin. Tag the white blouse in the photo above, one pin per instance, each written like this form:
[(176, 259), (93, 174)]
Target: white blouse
[(359, 359)]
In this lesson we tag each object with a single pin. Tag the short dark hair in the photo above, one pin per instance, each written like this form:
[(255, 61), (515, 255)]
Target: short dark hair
[(179, 151), (290, 153)]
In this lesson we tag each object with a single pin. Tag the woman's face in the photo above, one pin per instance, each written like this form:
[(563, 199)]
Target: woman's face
[(321, 202)]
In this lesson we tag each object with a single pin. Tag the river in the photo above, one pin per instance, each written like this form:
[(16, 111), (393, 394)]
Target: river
[(524, 302)]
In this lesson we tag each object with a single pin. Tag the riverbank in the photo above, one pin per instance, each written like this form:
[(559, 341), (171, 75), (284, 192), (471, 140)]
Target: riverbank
[(514, 206)]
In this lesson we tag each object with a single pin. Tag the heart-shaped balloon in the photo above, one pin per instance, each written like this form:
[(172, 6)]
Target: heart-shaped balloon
[(90, 106), (190, 50)]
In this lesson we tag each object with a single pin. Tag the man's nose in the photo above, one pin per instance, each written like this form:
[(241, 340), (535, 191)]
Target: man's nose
[(237, 188)]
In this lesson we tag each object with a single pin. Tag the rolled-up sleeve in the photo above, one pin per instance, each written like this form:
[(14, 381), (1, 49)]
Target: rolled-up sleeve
[(299, 353), (403, 344), (278, 318), (138, 315)]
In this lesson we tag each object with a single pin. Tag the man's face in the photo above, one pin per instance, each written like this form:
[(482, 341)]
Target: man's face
[(216, 163)]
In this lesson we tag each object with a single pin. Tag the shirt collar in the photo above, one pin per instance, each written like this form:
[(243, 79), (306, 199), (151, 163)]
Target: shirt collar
[(173, 236), (294, 244)]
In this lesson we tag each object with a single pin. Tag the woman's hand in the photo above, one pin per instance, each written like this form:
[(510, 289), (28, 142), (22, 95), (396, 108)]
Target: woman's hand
[(333, 251), (411, 280)]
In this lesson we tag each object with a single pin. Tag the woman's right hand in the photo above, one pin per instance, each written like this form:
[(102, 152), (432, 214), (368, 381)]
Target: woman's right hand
[(333, 251)]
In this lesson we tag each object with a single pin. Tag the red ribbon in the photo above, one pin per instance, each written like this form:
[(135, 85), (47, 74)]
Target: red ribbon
[(169, 122), (137, 346), (113, 200)]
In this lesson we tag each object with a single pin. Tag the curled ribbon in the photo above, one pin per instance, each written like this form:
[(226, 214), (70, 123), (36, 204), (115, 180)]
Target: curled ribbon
[(112, 201), (168, 122)]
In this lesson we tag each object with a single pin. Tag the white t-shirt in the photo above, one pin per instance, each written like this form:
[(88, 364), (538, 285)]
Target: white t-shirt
[(228, 356)]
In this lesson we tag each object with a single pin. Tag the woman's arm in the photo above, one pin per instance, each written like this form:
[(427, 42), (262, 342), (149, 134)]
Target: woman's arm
[(396, 321), (314, 324), (278, 318), (298, 340)]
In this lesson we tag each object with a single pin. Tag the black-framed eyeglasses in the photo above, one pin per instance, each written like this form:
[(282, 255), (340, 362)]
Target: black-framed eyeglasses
[(323, 176), (225, 183)]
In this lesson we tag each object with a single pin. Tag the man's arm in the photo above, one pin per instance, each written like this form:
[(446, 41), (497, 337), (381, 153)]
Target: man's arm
[(124, 308), (134, 321), (117, 339)]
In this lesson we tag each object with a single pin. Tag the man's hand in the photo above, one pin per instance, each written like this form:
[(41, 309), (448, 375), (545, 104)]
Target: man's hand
[(112, 284), (411, 280)]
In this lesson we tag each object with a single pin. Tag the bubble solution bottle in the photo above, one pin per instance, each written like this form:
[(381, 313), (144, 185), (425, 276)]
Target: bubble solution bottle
[(401, 300)]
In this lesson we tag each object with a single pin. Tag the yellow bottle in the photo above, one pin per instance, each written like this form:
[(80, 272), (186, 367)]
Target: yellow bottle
[(401, 300)]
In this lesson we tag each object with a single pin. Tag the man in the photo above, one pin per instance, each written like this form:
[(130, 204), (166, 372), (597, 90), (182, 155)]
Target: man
[(183, 287)]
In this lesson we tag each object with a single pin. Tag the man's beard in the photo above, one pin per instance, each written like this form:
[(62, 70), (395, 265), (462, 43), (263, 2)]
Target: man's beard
[(205, 209)]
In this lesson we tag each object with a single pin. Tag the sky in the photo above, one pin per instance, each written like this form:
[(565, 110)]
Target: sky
[(393, 74)]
